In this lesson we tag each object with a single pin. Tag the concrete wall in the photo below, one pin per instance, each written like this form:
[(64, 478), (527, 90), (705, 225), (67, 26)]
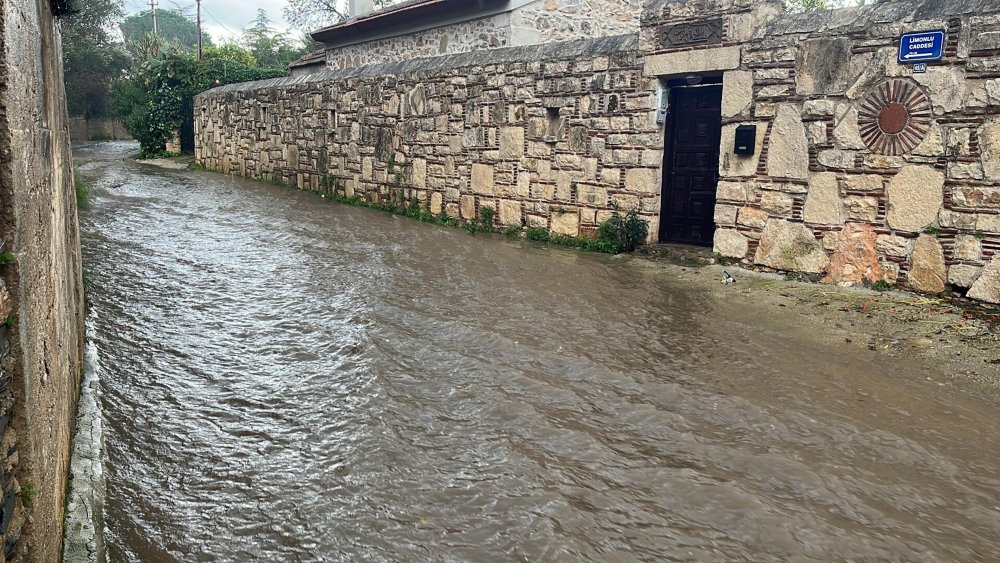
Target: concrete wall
[(863, 171), (532, 23), (97, 129), (41, 283)]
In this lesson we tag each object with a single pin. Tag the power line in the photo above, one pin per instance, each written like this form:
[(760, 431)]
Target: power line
[(216, 20)]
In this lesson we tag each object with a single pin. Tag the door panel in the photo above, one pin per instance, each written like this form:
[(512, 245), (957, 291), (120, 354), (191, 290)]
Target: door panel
[(691, 165)]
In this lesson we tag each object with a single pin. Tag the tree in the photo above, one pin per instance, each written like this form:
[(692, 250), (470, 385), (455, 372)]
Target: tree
[(171, 25), (269, 48), (310, 15), (155, 99), (230, 53), (92, 59)]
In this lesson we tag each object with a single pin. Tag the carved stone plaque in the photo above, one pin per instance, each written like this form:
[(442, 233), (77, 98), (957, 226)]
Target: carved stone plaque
[(688, 34)]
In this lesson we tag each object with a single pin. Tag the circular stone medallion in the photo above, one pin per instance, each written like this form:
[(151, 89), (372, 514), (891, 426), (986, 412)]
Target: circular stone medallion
[(894, 117)]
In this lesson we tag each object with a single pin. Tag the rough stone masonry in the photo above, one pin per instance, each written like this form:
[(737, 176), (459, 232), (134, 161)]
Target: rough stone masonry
[(863, 169), (41, 290)]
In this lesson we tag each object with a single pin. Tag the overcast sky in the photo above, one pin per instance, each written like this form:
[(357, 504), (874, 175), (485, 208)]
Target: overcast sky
[(222, 19)]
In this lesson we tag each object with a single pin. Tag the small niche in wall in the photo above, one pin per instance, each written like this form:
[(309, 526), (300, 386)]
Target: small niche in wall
[(554, 124)]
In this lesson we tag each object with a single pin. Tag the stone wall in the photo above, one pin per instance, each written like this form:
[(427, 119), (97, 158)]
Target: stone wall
[(551, 21), (41, 294), (483, 33), (538, 22), (865, 170), (548, 136)]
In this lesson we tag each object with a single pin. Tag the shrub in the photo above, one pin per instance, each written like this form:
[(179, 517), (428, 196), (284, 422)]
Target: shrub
[(622, 233), (538, 234)]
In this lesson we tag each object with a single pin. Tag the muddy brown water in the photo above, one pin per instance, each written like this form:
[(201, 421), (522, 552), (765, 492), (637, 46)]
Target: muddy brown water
[(287, 379)]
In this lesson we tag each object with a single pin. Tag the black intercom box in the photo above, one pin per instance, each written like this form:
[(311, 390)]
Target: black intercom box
[(746, 139)]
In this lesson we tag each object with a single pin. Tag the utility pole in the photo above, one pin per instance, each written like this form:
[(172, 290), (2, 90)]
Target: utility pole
[(199, 29), (152, 10)]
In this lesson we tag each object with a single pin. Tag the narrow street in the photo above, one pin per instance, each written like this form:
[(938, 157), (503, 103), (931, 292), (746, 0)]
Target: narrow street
[(281, 378)]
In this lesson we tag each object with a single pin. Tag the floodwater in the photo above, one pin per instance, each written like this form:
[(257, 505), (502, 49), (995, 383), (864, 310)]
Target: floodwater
[(281, 378)]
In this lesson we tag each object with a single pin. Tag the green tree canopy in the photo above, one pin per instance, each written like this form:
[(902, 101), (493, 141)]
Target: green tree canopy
[(310, 15), (171, 24), (92, 59), (268, 47)]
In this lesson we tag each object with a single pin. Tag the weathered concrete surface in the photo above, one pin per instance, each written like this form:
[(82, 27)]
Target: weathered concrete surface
[(38, 225)]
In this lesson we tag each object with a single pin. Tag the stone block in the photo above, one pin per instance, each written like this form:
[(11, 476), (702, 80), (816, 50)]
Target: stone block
[(855, 258), (589, 194), (482, 179), (419, 174), (892, 245), (731, 243), (965, 170), (538, 221), (752, 217), (823, 204), (915, 197), (777, 203), (790, 246), (788, 153), (468, 204), (968, 248), (863, 183), (846, 133), (685, 62), (627, 202), (927, 269), (566, 223), (642, 180), (737, 92), (725, 214), (823, 66), (436, 203), (987, 285), (862, 208), (509, 212), (816, 132), (511, 142), (963, 275), (836, 158), (989, 143), (736, 191)]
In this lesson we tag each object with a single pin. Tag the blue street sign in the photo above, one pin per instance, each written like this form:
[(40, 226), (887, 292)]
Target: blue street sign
[(921, 47)]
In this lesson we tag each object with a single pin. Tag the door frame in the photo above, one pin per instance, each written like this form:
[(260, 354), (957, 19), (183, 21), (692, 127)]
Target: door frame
[(672, 87)]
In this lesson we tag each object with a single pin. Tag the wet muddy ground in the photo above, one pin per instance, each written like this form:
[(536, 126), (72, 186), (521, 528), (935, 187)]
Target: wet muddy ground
[(281, 378)]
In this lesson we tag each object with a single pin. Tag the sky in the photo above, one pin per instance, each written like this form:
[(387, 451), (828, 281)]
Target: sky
[(222, 19)]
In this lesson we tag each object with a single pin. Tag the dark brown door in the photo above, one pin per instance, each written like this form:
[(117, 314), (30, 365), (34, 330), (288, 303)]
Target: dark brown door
[(691, 165)]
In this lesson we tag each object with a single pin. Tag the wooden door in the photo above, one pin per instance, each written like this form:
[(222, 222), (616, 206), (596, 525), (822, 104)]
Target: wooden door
[(691, 165)]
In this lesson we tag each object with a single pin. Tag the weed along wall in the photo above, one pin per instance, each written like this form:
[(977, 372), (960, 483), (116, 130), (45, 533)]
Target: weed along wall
[(790, 142), (41, 292)]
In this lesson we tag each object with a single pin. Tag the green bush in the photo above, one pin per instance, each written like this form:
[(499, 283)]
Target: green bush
[(538, 234), (622, 233)]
